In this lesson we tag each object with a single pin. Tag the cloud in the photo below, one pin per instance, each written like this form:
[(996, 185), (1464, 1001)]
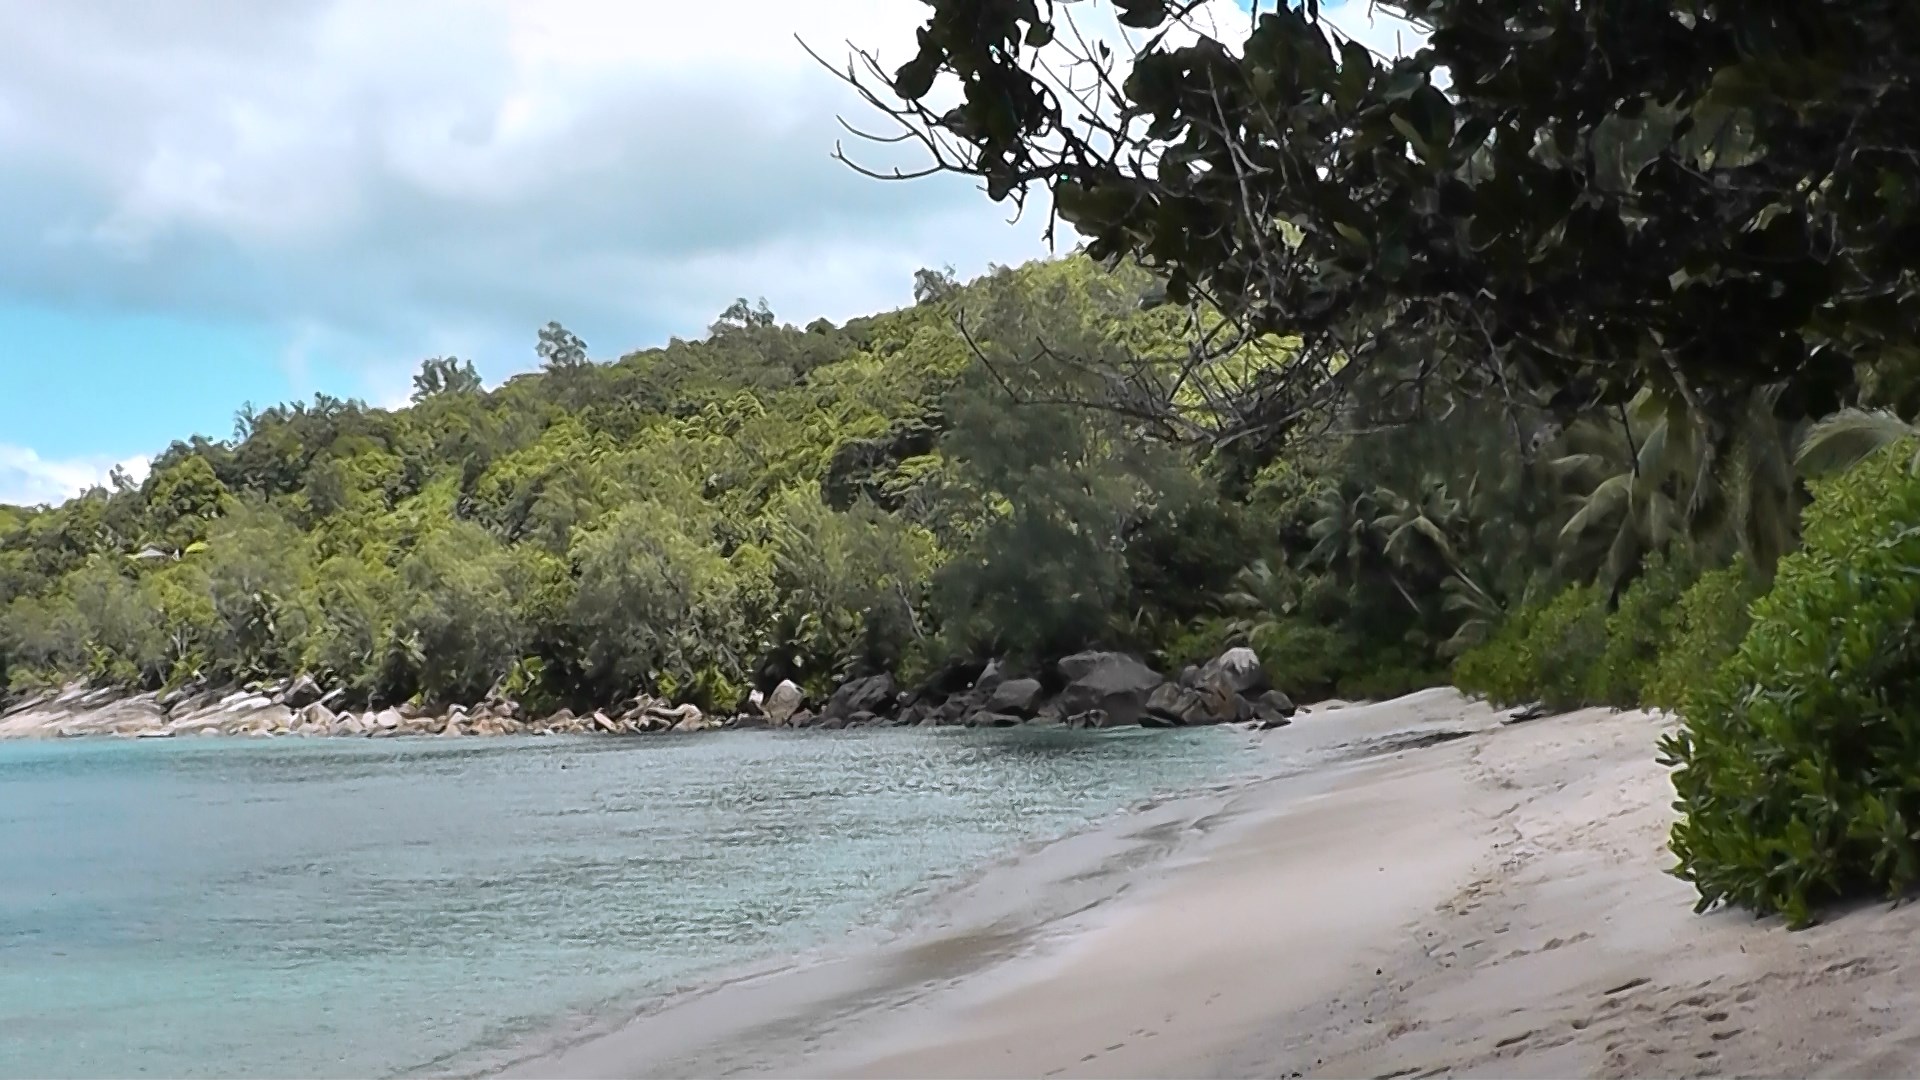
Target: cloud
[(27, 479), (370, 176), (377, 182)]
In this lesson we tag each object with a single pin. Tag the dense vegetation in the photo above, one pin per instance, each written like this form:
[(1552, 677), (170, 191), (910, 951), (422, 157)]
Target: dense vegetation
[(1675, 238), (767, 502)]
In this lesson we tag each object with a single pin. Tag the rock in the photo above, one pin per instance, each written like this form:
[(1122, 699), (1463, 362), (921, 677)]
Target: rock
[(1273, 709), (605, 723), (993, 719), (244, 702), (1190, 676), (863, 718), (694, 721), (672, 715), (990, 677), (1525, 713), (1239, 670), (803, 718), (914, 715), (1091, 718), (1114, 683), (1167, 706), (559, 721), (1016, 697), (1215, 704), (872, 694), (300, 693), (332, 698), (316, 719), (752, 705), (786, 699), (748, 721), (387, 719)]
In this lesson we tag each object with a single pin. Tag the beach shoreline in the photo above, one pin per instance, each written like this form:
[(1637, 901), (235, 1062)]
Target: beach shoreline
[(1410, 888)]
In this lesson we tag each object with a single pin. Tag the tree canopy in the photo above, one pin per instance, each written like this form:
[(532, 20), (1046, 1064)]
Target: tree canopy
[(1565, 201)]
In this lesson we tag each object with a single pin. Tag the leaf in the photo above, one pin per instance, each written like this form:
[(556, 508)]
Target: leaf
[(1142, 14), (1847, 438), (916, 76)]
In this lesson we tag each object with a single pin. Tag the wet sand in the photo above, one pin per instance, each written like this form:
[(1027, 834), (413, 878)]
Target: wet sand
[(1405, 889)]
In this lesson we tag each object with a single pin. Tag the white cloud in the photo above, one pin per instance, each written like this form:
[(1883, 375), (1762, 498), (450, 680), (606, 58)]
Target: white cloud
[(27, 479), (397, 173), (375, 180)]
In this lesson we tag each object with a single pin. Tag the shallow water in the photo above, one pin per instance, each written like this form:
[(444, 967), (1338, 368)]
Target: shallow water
[(355, 908)]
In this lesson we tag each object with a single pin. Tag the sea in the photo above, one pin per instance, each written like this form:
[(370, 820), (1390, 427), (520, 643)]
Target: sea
[(355, 908)]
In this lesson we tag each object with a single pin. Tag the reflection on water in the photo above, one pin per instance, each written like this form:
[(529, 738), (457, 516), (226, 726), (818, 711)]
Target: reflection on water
[(350, 907)]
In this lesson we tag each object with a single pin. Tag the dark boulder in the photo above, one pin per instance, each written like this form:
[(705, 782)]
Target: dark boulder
[(1017, 697), (1116, 684), (873, 694)]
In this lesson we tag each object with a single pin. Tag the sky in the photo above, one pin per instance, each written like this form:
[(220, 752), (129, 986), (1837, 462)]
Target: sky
[(209, 203)]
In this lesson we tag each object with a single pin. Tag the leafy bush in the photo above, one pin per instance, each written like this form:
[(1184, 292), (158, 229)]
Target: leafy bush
[(1699, 632), (1548, 652), (1638, 630), (1306, 659), (1798, 769)]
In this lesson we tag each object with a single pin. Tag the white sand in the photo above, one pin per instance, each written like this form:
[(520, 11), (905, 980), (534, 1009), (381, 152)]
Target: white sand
[(1491, 906)]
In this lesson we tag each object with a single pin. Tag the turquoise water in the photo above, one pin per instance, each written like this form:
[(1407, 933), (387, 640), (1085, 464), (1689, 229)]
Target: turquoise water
[(360, 908)]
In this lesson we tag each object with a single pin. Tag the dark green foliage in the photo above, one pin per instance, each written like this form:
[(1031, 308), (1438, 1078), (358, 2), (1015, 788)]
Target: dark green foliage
[(1700, 632), (1584, 229), (1798, 768), (1639, 632), (1548, 652)]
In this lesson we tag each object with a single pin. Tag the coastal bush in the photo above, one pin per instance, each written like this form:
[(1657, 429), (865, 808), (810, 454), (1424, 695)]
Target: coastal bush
[(1798, 768), (1549, 651), (1306, 659), (1699, 632), (1637, 632)]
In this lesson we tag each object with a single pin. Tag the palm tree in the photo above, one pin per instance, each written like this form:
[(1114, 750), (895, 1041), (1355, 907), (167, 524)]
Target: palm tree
[(1656, 474), (1631, 475), (1849, 437)]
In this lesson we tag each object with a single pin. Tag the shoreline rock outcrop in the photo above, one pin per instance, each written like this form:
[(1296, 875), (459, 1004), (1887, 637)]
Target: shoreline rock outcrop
[(1090, 689)]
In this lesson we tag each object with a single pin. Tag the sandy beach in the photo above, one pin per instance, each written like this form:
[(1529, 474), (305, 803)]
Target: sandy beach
[(1411, 888)]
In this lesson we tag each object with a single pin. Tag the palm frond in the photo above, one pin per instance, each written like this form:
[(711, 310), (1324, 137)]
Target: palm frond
[(1847, 438)]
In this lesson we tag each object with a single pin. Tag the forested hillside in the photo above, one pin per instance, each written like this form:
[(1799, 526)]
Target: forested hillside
[(767, 502), (909, 492)]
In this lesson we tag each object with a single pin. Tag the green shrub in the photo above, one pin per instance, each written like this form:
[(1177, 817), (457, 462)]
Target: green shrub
[(1798, 769), (1548, 652), (1699, 632), (1305, 659), (1638, 632)]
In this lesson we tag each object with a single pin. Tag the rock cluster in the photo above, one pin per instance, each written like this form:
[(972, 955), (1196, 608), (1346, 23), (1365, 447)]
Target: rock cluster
[(1092, 689)]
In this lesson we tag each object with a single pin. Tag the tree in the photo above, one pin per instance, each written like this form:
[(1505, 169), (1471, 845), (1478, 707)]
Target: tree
[(742, 316), (183, 499), (560, 349), (449, 375), (933, 286), (1567, 201)]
